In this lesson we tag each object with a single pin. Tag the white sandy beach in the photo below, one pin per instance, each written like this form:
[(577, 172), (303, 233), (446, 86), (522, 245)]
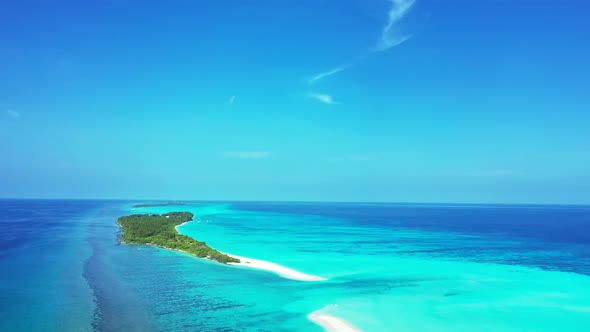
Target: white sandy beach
[(176, 227), (283, 271), (331, 323)]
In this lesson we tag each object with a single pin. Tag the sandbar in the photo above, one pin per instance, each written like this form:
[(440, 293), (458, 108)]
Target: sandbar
[(331, 323), (282, 271)]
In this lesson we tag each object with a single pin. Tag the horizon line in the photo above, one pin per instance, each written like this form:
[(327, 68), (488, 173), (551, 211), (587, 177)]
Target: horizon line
[(291, 201)]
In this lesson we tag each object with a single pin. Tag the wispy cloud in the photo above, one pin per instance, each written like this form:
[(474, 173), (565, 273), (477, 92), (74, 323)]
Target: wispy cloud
[(328, 73), (245, 155), (231, 100), (12, 114), (322, 97), (390, 36)]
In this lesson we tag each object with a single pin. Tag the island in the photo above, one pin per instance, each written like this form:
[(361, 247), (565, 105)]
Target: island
[(143, 205), (160, 230)]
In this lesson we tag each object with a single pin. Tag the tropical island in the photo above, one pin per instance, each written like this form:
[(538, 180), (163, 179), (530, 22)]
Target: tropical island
[(158, 204), (160, 230)]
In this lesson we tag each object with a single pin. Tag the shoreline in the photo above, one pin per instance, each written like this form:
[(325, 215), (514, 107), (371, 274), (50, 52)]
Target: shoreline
[(331, 323), (328, 322), (258, 264), (283, 271), (176, 227)]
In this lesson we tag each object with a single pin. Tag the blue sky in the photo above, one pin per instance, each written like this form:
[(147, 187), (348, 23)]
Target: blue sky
[(333, 100)]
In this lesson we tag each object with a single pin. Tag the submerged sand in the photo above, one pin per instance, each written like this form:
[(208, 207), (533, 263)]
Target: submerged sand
[(259, 264), (331, 323), (280, 270)]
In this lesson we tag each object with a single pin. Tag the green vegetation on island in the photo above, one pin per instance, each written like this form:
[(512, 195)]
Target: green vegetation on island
[(160, 230)]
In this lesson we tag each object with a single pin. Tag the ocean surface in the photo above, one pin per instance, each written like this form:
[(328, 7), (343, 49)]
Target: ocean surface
[(389, 267)]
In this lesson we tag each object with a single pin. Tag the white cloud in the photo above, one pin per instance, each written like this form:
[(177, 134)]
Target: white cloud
[(13, 114), (232, 100), (390, 37), (322, 97), (245, 155), (327, 73)]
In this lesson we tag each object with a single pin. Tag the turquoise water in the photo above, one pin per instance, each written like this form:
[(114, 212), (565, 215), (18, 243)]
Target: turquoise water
[(377, 289), (388, 268)]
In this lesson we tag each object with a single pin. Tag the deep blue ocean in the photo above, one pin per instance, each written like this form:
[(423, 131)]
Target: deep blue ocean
[(389, 267)]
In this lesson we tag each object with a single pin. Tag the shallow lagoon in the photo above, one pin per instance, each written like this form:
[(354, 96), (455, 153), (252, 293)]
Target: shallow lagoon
[(389, 268)]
